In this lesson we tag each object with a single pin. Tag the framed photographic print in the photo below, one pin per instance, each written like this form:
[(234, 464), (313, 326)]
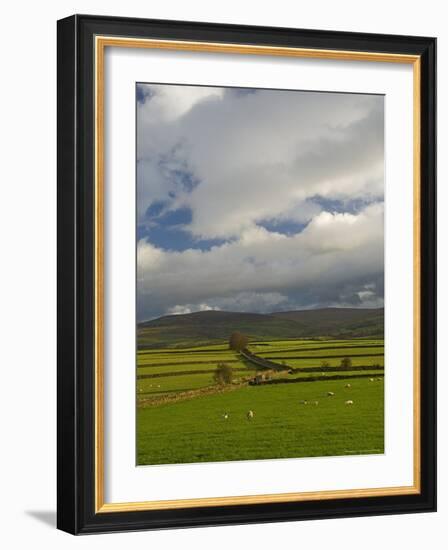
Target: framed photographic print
[(246, 274)]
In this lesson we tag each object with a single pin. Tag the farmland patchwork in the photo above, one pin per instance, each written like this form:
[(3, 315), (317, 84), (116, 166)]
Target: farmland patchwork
[(296, 388)]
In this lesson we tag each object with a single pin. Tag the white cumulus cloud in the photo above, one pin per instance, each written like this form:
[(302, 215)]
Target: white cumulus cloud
[(245, 165)]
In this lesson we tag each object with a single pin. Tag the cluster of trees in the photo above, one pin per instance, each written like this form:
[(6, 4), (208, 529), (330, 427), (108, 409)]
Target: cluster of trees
[(238, 341), (346, 363), (223, 374)]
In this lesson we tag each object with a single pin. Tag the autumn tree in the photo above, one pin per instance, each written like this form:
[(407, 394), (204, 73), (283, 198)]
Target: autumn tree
[(238, 341)]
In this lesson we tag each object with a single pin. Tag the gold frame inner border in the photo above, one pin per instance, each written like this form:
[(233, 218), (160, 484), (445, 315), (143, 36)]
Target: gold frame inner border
[(101, 43)]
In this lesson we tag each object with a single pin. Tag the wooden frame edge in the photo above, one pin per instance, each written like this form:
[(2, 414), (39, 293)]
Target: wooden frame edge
[(255, 499)]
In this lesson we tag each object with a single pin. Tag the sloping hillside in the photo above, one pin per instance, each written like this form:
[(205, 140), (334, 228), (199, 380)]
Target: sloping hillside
[(207, 327), (344, 322)]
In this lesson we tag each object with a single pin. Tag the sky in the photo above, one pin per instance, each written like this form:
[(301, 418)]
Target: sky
[(258, 200)]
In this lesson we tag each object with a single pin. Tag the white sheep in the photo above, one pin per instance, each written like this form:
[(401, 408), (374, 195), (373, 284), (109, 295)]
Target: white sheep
[(348, 385), (225, 416), (303, 402), (250, 415), (349, 402), (330, 393), (372, 379)]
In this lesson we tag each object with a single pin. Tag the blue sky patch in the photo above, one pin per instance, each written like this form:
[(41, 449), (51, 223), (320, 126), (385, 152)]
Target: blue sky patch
[(143, 93), (167, 229), (285, 227), (350, 206)]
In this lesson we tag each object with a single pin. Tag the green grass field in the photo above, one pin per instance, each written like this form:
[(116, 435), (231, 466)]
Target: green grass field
[(195, 430), (180, 408)]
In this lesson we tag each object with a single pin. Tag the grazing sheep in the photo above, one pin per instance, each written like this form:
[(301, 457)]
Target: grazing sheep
[(303, 402), (250, 415), (330, 393), (348, 385), (349, 402), (225, 416), (315, 402), (372, 379), (379, 379)]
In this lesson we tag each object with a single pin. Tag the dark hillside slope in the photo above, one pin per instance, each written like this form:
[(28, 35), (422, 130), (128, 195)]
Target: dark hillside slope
[(207, 327), (341, 322)]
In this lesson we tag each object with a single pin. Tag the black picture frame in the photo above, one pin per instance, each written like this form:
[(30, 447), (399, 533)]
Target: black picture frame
[(76, 286)]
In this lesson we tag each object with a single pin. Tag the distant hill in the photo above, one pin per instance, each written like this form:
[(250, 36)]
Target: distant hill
[(349, 322), (206, 327)]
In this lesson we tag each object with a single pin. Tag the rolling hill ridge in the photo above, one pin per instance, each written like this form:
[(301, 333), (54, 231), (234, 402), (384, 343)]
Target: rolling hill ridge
[(206, 327)]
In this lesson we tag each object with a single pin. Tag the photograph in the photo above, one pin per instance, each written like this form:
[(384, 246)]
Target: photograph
[(246, 273), (260, 274)]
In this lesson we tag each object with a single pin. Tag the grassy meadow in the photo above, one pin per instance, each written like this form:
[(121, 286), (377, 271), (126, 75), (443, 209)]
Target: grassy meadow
[(184, 415)]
